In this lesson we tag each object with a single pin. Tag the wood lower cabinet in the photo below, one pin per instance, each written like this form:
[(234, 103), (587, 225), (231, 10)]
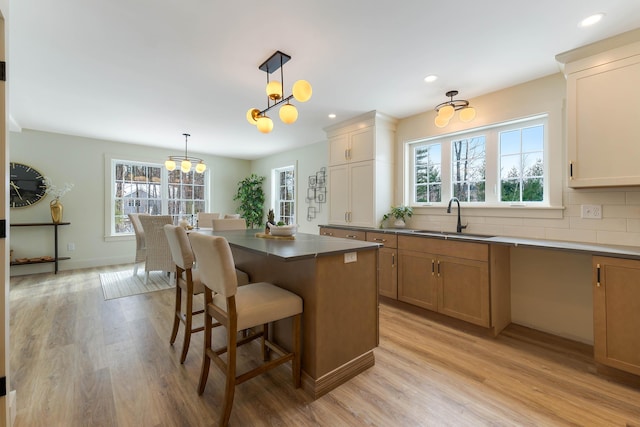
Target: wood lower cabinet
[(387, 263), (457, 286), (468, 281), (417, 282), (616, 305), (343, 233)]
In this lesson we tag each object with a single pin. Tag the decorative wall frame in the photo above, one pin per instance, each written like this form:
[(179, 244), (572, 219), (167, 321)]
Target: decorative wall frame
[(316, 193)]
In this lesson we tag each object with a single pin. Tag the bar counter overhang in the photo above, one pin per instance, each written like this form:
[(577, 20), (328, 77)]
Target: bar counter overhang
[(337, 280)]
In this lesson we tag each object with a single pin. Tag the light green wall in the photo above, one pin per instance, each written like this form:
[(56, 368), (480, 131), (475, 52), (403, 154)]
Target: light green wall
[(308, 160), (81, 161)]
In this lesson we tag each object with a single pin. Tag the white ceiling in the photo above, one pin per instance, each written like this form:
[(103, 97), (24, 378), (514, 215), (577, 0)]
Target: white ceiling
[(146, 71)]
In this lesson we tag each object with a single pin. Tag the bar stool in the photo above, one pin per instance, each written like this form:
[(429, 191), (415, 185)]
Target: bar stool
[(240, 308)]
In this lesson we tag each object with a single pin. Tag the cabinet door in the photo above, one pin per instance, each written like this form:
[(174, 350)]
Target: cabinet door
[(361, 145), (616, 305), (338, 147), (361, 188), (387, 272), (417, 279), (464, 289), (603, 132), (338, 194)]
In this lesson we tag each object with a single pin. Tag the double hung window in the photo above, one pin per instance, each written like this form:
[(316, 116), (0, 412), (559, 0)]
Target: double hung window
[(495, 165), (139, 187)]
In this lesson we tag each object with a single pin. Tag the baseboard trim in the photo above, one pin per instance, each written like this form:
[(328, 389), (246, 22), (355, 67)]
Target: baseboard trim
[(318, 387)]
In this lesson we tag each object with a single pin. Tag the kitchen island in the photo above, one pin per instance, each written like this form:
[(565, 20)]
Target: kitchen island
[(337, 280)]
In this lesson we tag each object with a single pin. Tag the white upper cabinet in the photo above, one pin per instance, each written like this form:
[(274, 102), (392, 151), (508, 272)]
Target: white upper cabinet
[(603, 112), (360, 170)]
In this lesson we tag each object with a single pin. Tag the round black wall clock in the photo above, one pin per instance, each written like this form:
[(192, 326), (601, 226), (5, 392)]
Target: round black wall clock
[(26, 187)]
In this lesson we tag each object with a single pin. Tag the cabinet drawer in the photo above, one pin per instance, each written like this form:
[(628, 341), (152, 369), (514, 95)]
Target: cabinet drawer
[(465, 250), (344, 233), (386, 239)]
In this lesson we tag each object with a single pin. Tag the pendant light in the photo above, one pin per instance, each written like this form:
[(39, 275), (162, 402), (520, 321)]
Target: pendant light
[(185, 161), (447, 110), (288, 113)]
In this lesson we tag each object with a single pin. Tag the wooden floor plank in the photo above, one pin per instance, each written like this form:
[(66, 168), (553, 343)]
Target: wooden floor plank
[(77, 360)]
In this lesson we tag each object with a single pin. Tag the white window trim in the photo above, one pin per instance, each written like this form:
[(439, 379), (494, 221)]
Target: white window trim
[(551, 207), (109, 191), (275, 185)]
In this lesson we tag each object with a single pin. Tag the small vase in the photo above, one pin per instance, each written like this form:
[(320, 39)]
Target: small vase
[(56, 211), (399, 223)]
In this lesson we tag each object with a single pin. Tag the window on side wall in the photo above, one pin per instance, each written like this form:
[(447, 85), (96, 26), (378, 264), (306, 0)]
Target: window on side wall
[(139, 187), (498, 165), (284, 194)]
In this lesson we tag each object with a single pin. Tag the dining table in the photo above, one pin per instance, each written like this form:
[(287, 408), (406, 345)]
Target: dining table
[(338, 282)]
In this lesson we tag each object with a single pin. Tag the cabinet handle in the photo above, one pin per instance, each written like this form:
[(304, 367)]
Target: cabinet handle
[(438, 268), (377, 239), (598, 275), (351, 236), (393, 260), (326, 233), (433, 263), (345, 217), (571, 170)]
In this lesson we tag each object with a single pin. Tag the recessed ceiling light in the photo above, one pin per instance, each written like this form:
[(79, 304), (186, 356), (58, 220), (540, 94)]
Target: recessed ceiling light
[(431, 78), (332, 116), (590, 20)]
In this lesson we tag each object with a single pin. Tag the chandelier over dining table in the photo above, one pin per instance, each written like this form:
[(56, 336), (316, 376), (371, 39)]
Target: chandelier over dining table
[(185, 161), (288, 113)]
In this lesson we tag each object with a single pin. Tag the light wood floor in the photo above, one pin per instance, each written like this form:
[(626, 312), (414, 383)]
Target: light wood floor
[(77, 360)]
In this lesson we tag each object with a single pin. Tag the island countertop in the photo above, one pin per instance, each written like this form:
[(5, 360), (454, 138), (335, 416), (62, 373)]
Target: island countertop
[(303, 246)]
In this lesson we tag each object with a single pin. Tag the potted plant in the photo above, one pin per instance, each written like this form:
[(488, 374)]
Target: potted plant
[(400, 213), (251, 198)]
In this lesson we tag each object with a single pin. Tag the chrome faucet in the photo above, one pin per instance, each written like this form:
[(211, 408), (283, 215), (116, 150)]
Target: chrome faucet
[(459, 227)]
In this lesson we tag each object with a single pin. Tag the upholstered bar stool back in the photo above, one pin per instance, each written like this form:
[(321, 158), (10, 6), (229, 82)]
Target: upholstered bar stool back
[(187, 282), (239, 308)]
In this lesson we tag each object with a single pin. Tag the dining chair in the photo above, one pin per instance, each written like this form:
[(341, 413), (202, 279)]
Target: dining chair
[(240, 308), (229, 224), (187, 282), (158, 255), (140, 244), (204, 218)]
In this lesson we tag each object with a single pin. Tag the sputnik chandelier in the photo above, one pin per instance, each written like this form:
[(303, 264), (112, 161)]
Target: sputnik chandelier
[(301, 91), (446, 110), (185, 161)]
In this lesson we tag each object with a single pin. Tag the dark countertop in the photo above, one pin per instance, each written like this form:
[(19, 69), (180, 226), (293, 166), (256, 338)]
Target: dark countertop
[(629, 252), (303, 246)]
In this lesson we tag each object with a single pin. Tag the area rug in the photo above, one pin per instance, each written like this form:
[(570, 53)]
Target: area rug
[(120, 284)]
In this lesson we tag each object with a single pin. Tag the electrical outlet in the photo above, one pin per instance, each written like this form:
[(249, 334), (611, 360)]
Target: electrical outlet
[(71, 247), (350, 257), (591, 211)]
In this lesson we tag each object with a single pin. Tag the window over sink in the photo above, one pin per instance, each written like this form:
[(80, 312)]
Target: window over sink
[(498, 165)]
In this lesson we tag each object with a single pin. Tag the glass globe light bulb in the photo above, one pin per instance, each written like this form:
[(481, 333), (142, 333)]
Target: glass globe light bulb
[(446, 112), (170, 165), (440, 122), (274, 90), (302, 91), (201, 167), (467, 114), (265, 124), (251, 115), (185, 166), (288, 114)]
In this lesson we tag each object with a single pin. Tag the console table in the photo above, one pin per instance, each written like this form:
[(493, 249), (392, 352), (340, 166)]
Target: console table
[(56, 258)]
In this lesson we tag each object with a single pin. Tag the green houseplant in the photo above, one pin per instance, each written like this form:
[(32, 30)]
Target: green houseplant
[(251, 196), (400, 213)]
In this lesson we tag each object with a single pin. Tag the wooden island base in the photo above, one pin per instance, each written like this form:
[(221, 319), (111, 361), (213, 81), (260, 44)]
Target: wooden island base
[(337, 281)]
